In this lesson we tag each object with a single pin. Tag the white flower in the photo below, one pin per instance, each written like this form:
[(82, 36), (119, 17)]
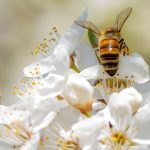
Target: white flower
[(123, 118), (21, 124), (67, 43), (52, 72), (17, 131)]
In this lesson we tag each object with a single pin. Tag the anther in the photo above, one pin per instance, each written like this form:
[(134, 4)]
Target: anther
[(132, 76)]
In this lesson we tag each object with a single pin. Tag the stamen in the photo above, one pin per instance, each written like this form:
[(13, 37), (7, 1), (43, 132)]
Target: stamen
[(26, 87), (16, 133), (66, 144), (47, 46), (115, 84)]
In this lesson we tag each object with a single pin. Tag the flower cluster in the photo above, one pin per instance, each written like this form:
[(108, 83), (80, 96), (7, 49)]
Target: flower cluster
[(68, 104)]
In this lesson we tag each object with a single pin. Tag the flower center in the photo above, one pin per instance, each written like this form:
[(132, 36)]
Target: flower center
[(119, 138)]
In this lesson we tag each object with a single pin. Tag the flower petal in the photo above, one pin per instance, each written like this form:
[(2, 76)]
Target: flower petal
[(71, 39), (32, 144), (86, 56), (143, 114), (56, 63), (142, 143), (124, 102), (134, 67), (94, 72), (88, 131), (8, 115)]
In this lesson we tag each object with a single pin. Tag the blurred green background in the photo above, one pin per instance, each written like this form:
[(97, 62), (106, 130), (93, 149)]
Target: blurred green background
[(24, 23)]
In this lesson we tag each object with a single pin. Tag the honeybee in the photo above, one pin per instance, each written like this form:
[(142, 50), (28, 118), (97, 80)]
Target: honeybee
[(110, 42)]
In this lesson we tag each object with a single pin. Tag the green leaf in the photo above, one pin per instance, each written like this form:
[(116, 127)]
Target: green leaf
[(93, 39)]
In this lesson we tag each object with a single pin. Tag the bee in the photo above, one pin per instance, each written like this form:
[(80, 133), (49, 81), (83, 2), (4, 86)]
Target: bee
[(110, 43)]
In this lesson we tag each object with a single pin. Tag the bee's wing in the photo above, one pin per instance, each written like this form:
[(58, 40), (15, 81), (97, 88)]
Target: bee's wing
[(122, 17), (88, 25)]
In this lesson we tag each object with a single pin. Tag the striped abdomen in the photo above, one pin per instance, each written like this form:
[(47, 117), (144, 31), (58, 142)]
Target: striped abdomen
[(109, 55)]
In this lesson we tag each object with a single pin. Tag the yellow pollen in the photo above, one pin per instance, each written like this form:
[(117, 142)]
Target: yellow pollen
[(119, 138), (66, 144), (14, 93), (41, 142), (36, 51), (47, 138), (34, 83), (17, 132)]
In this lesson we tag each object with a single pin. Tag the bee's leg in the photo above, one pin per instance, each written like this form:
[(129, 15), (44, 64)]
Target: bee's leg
[(123, 48), (98, 55)]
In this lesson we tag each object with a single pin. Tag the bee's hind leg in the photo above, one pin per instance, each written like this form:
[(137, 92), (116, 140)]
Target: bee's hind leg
[(124, 50)]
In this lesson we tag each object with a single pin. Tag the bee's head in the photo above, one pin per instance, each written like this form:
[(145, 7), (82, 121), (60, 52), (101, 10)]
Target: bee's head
[(110, 33)]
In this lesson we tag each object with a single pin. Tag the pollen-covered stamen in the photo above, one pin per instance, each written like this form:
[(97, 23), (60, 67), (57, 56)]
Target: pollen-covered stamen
[(58, 134), (65, 144), (30, 83), (56, 141), (46, 47), (35, 71), (59, 97), (16, 133), (119, 139), (17, 91), (115, 84), (57, 35), (27, 86)]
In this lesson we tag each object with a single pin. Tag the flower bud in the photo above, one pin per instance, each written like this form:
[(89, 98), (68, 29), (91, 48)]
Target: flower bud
[(125, 101), (79, 93)]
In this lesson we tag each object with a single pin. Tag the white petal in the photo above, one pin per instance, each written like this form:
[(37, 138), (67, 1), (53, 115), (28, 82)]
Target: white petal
[(88, 131), (66, 121), (127, 100), (143, 143), (5, 146), (78, 90), (56, 63), (52, 86), (94, 72), (71, 39), (32, 144), (143, 114), (39, 112), (118, 107), (8, 115), (144, 90), (43, 66), (83, 16), (60, 127), (135, 66), (86, 56), (61, 61)]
